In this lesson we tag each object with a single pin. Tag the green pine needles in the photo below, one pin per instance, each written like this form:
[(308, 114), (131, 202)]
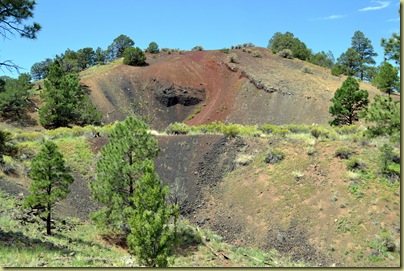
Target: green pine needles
[(50, 180), (134, 198), (348, 101)]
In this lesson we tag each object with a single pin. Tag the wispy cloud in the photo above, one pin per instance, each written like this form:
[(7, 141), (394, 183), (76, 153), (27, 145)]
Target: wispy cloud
[(380, 5), (394, 20), (331, 17)]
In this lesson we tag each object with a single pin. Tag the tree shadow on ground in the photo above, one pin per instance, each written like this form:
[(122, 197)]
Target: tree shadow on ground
[(18, 241)]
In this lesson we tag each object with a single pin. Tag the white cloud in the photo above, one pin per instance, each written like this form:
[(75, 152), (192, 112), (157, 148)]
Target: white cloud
[(331, 17), (393, 20), (380, 5)]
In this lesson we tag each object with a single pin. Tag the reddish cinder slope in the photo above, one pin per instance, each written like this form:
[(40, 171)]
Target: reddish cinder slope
[(204, 85)]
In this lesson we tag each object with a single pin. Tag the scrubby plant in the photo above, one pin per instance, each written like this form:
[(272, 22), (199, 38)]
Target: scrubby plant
[(232, 58), (256, 54), (282, 132), (178, 128), (274, 156), (343, 152), (306, 69), (134, 56), (356, 164), (267, 128), (197, 48), (225, 50), (231, 130), (286, 53)]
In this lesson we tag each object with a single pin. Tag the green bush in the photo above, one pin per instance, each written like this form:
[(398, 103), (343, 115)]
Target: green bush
[(225, 50), (232, 58), (134, 56), (282, 132), (343, 152), (267, 128), (296, 128), (256, 54), (306, 69), (177, 129), (153, 48), (356, 164), (286, 53), (197, 48), (336, 71), (231, 130), (274, 156)]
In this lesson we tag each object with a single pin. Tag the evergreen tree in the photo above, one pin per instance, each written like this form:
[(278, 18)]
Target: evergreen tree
[(348, 101), (117, 171), (153, 48), (392, 47), (151, 238), (15, 95), (348, 63), (118, 46), (385, 113), (387, 79), (134, 56), (65, 101), (6, 147), (364, 48), (12, 15), (50, 180)]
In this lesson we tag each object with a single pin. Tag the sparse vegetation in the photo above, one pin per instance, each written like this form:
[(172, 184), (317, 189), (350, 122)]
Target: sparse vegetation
[(232, 58)]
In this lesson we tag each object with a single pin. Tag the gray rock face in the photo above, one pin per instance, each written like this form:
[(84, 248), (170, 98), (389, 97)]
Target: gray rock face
[(169, 94)]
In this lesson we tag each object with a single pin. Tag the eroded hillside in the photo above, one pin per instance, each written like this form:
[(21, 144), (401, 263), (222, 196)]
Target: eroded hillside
[(202, 86)]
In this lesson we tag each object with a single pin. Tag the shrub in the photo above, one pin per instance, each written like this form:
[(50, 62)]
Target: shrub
[(282, 132), (256, 54), (232, 58), (286, 53), (177, 129), (306, 69), (231, 130), (337, 71), (267, 128), (310, 150), (356, 164), (274, 156), (225, 50), (343, 152), (197, 48), (249, 51), (153, 48), (134, 56), (316, 132)]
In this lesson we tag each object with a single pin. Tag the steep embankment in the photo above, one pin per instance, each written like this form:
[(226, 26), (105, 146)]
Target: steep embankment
[(202, 86)]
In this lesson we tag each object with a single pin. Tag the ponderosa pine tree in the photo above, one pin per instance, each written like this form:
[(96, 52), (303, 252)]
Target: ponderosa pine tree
[(387, 79), (65, 102), (120, 166), (151, 238), (12, 16), (364, 48), (50, 180), (348, 101), (14, 99), (385, 113)]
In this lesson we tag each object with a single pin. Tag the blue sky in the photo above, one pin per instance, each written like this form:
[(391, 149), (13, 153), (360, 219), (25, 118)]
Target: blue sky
[(213, 24)]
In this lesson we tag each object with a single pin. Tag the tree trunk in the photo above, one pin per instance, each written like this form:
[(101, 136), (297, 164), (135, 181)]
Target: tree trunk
[(48, 221)]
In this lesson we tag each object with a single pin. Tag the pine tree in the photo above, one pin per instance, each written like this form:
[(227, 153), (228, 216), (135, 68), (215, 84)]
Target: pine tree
[(14, 97), (348, 101), (151, 238), (117, 171), (387, 79), (385, 113), (65, 100), (50, 180), (364, 48)]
